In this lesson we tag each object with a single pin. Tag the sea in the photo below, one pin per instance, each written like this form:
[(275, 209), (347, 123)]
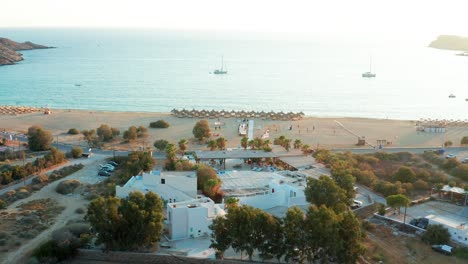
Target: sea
[(156, 70)]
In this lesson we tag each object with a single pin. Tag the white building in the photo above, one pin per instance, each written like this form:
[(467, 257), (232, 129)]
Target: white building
[(458, 230), (265, 190), (171, 188), (189, 219)]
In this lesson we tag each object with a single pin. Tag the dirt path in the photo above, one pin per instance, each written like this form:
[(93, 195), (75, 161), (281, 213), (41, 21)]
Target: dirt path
[(70, 202)]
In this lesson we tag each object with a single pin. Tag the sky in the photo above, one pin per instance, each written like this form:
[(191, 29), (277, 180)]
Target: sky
[(336, 16)]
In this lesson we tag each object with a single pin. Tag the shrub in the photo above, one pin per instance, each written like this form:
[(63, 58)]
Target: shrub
[(76, 152), (436, 234), (450, 164), (73, 131), (41, 179), (2, 204), (67, 186), (159, 124), (39, 139), (80, 210), (461, 172), (381, 209), (421, 185), (160, 144), (2, 242)]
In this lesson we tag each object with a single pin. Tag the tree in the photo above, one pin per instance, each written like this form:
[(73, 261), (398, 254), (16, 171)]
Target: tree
[(295, 239), (131, 134), (221, 239), (142, 131), (448, 143), (297, 144), (201, 130), (104, 133), (436, 235), (183, 145), (325, 191), (76, 152), (160, 144), (212, 145), (306, 149), (136, 220), (244, 142), (404, 174), (464, 141), (39, 139), (231, 202), (90, 136), (170, 152), (397, 201), (221, 143), (350, 239), (346, 182)]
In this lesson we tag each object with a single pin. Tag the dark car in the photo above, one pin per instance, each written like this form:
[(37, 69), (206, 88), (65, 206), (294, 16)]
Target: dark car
[(414, 222), (104, 173), (423, 223), (444, 249), (106, 169)]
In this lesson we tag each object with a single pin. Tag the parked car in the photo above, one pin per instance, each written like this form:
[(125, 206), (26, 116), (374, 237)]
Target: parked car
[(110, 167), (444, 249), (465, 160), (414, 222), (104, 173), (107, 169), (423, 223), (357, 202), (450, 156), (113, 163)]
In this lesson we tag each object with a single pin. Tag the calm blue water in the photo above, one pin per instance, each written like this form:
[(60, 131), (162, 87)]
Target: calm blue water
[(157, 70)]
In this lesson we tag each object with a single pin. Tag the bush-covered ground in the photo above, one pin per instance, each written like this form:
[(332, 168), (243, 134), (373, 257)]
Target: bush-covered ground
[(392, 173)]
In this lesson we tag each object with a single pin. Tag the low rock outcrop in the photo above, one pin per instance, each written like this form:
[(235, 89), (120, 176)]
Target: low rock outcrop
[(9, 48)]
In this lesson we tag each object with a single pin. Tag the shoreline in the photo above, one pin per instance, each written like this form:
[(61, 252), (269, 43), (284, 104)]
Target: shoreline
[(43, 108), (330, 132)]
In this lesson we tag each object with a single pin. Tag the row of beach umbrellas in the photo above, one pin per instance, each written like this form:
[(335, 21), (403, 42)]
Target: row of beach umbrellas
[(17, 110), (237, 114), (443, 122)]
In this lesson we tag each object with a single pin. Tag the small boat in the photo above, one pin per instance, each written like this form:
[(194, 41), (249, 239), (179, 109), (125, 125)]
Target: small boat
[(452, 96), (462, 54), (222, 70), (77, 84), (466, 99), (369, 74)]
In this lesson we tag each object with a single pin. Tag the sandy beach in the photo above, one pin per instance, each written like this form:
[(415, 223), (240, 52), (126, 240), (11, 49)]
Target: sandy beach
[(336, 132)]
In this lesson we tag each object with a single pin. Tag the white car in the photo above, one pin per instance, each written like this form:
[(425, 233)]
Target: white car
[(450, 156), (108, 166), (356, 202), (465, 160)]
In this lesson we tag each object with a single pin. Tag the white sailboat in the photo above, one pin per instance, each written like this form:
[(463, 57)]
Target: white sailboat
[(369, 74), (222, 70)]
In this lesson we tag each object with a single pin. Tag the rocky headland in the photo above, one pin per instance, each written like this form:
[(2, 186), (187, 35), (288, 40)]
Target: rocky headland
[(9, 50), (450, 42)]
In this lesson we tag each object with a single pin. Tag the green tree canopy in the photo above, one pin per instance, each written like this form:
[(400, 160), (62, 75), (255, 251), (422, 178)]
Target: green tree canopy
[(159, 124), (39, 139), (183, 145), (325, 191), (201, 130), (104, 132), (131, 134), (244, 142), (136, 221), (436, 235), (160, 144), (397, 201), (404, 174), (464, 141)]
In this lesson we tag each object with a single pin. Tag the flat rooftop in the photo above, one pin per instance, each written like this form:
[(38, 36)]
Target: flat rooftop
[(299, 162), (234, 154), (251, 182)]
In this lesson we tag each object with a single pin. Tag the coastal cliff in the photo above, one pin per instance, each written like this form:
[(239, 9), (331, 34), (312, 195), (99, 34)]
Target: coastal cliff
[(9, 48), (450, 42)]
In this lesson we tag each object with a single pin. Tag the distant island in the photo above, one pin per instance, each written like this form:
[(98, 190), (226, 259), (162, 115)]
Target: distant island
[(450, 42), (9, 48)]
